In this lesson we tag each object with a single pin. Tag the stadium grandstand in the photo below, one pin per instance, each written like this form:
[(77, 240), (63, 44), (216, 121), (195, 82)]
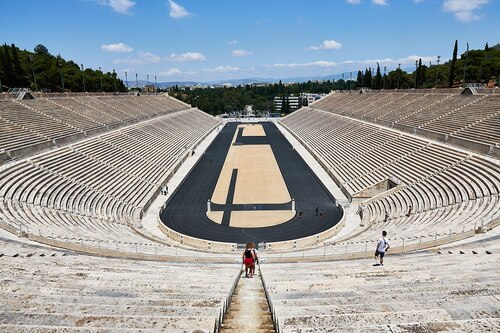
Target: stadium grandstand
[(125, 213)]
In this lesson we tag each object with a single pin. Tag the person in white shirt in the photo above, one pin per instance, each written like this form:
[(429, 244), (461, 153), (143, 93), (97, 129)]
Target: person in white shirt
[(382, 247)]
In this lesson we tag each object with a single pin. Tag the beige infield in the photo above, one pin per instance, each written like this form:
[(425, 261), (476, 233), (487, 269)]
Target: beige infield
[(259, 181)]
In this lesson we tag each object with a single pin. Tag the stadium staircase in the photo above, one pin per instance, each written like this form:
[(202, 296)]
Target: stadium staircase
[(248, 310)]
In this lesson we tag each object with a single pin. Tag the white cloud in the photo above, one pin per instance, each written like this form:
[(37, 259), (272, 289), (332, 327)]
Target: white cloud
[(326, 45), (222, 69), (188, 56), (354, 2), (117, 47), (233, 42), (142, 58), (177, 11), (320, 63), (170, 72), (464, 10), (120, 6), (241, 53)]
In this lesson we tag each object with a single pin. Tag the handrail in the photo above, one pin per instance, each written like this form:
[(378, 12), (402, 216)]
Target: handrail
[(218, 324), (270, 304), (331, 252)]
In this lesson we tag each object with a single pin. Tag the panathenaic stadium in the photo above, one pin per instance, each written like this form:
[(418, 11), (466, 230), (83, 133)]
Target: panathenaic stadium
[(122, 213)]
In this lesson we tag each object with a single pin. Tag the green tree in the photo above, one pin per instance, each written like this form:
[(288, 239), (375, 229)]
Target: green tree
[(368, 77), (41, 49), (378, 78), (451, 78), (7, 68), (359, 79), (18, 73)]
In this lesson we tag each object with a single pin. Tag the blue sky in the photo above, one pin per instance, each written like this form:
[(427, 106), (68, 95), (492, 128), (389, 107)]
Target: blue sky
[(203, 40)]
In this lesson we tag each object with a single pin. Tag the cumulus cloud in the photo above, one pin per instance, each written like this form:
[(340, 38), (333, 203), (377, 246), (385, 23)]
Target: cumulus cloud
[(241, 53), (326, 45), (464, 10), (171, 71), (188, 56), (354, 2), (320, 63), (142, 58), (177, 11), (117, 47), (119, 6), (222, 69)]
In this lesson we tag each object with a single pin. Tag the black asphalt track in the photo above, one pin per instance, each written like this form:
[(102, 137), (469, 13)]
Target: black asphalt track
[(185, 210)]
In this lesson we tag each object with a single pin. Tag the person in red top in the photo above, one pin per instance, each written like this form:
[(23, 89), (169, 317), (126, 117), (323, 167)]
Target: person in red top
[(249, 259)]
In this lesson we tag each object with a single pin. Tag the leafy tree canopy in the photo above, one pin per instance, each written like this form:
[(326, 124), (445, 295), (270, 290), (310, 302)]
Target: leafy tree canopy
[(41, 71)]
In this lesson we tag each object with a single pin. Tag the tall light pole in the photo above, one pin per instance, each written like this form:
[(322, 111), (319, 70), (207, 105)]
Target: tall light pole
[(100, 71), (83, 78), (114, 79), (136, 81), (437, 70), (416, 70), (32, 60), (126, 79), (155, 84), (350, 80), (399, 72), (60, 63), (343, 81)]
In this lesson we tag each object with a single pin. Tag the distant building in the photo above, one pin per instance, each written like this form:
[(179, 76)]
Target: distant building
[(287, 103), (308, 98), (294, 102), (149, 88)]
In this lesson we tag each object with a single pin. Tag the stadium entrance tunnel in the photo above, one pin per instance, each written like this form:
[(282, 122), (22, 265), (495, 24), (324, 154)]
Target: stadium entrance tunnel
[(250, 185)]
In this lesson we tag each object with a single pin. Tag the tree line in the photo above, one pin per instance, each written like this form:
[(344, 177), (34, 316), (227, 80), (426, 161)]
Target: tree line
[(224, 100), (42, 71)]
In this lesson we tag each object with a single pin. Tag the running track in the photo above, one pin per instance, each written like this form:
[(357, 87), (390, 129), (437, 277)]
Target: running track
[(185, 209)]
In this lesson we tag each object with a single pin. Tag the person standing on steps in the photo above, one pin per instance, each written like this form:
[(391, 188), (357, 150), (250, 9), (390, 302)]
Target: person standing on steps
[(409, 211), (248, 258), (255, 260), (382, 247)]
